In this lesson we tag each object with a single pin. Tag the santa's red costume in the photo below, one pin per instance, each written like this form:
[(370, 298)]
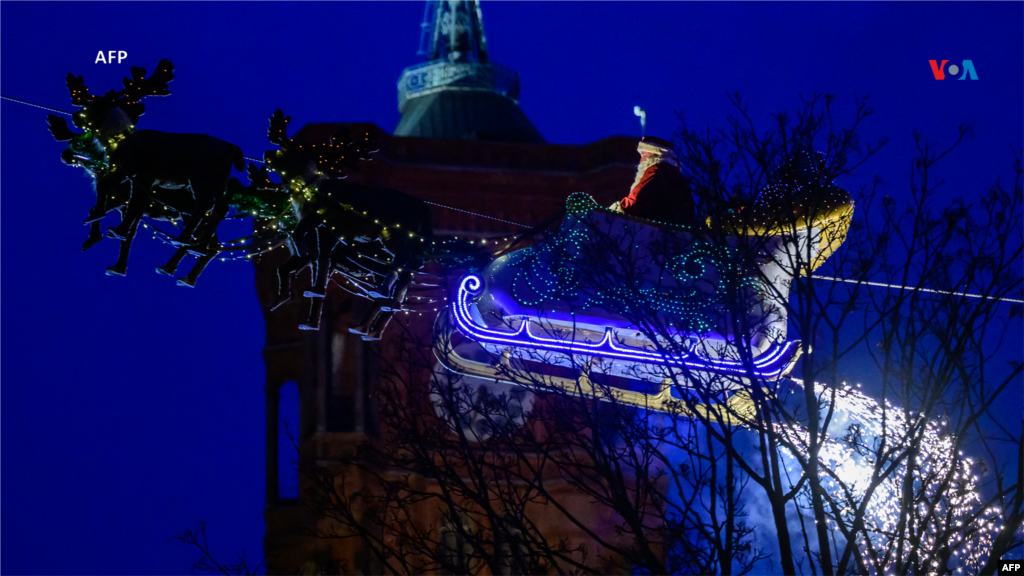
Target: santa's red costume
[(659, 191)]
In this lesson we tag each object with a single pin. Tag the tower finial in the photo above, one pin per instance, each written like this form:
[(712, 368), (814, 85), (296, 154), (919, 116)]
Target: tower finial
[(453, 31)]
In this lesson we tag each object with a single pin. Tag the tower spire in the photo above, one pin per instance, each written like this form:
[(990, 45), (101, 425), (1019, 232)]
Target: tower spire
[(456, 30), (480, 98)]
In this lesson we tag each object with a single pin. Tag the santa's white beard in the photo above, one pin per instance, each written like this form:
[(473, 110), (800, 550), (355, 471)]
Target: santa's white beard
[(643, 166)]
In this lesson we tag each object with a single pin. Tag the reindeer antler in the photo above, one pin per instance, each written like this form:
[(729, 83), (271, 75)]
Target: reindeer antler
[(138, 87), (340, 154), (356, 148), (259, 178), (278, 133), (263, 197), (344, 152), (80, 95)]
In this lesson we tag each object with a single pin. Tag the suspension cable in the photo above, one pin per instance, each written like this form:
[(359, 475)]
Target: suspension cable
[(902, 287)]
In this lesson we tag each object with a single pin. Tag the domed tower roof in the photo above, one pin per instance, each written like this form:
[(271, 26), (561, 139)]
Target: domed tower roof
[(458, 93)]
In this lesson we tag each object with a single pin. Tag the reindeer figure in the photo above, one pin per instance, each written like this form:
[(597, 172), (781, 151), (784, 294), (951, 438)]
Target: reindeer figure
[(116, 198), (338, 222), (149, 163)]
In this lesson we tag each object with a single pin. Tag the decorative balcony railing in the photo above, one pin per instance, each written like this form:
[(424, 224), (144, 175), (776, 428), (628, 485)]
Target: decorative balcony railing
[(429, 77)]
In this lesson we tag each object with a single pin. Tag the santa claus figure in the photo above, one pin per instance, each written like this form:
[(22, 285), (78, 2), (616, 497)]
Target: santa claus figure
[(659, 193)]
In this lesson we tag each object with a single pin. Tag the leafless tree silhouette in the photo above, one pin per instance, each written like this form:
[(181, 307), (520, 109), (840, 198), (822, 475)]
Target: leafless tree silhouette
[(509, 459)]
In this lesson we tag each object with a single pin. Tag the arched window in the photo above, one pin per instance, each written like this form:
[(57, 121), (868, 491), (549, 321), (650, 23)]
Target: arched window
[(287, 439)]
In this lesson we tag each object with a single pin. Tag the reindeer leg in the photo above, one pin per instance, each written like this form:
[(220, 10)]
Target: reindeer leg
[(104, 203), (383, 290), (376, 329), (95, 235), (210, 223), (342, 263), (319, 287), (97, 212), (366, 324), (322, 266), (142, 191), (284, 278), (301, 256), (121, 267), (394, 304), (191, 223), (193, 275), (172, 264), (316, 306), (205, 254), (204, 203)]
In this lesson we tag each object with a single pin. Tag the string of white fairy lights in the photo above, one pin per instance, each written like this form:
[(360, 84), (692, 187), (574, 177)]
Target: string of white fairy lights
[(943, 528), (478, 215), (917, 288)]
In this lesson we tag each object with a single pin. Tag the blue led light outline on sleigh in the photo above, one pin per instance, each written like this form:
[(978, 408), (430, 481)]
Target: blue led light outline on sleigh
[(768, 365)]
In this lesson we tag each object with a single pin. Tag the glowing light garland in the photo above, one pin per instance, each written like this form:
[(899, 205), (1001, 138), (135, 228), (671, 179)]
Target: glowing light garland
[(550, 273), (943, 519), (852, 462), (770, 364)]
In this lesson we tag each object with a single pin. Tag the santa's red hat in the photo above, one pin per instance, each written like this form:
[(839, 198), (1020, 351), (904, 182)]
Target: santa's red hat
[(655, 145)]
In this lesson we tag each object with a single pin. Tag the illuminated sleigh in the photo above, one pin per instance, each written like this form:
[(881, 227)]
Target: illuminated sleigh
[(652, 308)]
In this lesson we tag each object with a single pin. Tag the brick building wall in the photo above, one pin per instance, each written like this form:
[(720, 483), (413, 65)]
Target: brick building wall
[(335, 370)]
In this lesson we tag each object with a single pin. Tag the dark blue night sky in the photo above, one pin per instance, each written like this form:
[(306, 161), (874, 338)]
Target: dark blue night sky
[(132, 408)]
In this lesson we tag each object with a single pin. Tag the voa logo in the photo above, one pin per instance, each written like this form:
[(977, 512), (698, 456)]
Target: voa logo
[(939, 70)]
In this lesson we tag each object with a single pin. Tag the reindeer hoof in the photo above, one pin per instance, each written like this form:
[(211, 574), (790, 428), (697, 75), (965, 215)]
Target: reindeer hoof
[(90, 242), (165, 270), (116, 234), (391, 305), (117, 271), (94, 215), (308, 326), (312, 294), (361, 330), (187, 282)]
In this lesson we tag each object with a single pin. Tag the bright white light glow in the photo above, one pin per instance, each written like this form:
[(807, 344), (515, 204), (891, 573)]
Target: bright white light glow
[(942, 515)]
